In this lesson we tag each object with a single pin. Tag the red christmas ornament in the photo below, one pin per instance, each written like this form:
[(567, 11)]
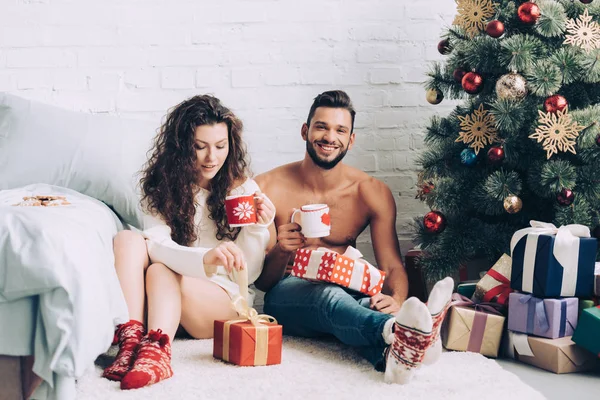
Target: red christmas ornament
[(495, 155), (494, 28), (472, 83), (444, 47), (528, 13), (586, 1), (427, 188), (434, 222), (555, 103), (598, 140), (565, 197), (458, 74)]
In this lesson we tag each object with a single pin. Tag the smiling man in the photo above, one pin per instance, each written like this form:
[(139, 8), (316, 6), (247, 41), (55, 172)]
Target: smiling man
[(356, 201)]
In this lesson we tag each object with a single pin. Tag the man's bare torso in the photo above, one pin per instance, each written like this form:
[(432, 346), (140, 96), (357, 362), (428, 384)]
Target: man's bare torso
[(349, 213)]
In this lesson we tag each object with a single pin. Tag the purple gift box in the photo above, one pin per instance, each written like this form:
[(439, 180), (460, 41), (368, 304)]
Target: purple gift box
[(597, 279), (550, 318)]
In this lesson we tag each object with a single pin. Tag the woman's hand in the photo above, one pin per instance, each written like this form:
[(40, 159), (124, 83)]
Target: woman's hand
[(265, 209), (227, 254)]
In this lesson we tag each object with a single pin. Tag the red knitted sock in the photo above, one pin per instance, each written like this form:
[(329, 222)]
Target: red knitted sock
[(128, 336), (152, 364)]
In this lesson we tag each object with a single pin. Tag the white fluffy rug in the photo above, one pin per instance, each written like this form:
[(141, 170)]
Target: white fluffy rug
[(312, 369)]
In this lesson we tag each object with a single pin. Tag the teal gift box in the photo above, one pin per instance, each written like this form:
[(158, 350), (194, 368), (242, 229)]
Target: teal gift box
[(587, 334), (467, 289), (586, 303)]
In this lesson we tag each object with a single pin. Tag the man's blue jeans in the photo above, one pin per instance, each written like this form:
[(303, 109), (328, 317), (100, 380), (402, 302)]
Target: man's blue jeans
[(316, 309)]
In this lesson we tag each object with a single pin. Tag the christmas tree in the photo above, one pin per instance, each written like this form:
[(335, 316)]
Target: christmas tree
[(525, 142)]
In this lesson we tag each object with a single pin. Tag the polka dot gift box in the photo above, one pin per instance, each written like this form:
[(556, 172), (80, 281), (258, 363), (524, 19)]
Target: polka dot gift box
[(347, 269)]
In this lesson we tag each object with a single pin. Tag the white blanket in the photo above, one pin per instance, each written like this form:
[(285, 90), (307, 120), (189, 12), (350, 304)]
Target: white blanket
[(60, 298)]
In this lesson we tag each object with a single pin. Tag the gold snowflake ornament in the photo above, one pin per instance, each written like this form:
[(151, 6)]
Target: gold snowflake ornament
[(557, 132), (478, 129), (473, 15), (583, 32)]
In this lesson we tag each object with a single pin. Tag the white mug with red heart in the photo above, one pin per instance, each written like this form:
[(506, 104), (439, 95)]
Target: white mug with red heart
[(314, 220)]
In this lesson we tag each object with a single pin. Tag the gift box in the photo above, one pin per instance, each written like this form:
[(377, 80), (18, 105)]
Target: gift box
[(466, 289), (418, 285), (587, 334), (560, 356), (553, 262), (550, 318), (473, 327), (586, 303), (495, 284), (597, 279), (347, 270), (252, 340)]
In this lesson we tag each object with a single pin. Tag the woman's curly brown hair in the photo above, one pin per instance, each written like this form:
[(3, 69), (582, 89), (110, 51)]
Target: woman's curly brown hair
[(169, 180)]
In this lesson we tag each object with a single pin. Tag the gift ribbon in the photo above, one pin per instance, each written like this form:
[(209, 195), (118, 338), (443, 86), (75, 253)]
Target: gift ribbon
[(535, 310), (479, 320), (240, 303), (566, 252), (356, 280), (491, 308), (502, 290), (562, 331), (518, 342), (597, 279)]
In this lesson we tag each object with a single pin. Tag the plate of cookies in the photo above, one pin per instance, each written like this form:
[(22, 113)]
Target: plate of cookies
[(43, 201)]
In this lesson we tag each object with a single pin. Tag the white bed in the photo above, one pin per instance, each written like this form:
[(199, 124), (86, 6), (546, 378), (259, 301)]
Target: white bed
[(60, 298)]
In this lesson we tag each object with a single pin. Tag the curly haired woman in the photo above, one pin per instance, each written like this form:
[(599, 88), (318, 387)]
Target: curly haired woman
[(199, 158)]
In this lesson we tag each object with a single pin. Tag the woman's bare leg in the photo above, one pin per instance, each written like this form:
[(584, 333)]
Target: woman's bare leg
[(193, 302), (203, 301), (131, 260), (171, 298), (153, 360), (164, 299)]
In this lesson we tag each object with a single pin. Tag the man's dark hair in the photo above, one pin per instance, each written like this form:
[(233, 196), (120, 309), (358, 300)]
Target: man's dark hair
[(332, 99)]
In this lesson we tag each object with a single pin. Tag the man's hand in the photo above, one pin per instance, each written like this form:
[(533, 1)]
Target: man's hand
[(384, 303), (227, 254), (290, 237)]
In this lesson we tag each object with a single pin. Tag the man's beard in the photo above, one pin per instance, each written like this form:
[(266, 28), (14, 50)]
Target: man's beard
[(323, 163)]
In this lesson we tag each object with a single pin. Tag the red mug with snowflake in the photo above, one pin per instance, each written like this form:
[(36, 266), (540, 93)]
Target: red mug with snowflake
[(241, 210), (314, 220)]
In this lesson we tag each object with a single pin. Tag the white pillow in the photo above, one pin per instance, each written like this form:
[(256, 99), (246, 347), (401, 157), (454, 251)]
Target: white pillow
[(97, 155)]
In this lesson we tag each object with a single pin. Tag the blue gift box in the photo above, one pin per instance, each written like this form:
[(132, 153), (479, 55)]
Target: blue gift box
[(548, 273)]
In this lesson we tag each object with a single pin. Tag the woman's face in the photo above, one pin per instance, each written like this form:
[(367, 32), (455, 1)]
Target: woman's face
[(212, 148)]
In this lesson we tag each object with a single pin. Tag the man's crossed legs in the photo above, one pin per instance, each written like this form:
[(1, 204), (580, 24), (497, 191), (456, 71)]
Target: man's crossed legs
[(394, 344)]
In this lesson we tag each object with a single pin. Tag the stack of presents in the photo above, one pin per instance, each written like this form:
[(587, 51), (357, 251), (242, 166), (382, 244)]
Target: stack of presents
[(539, 306)]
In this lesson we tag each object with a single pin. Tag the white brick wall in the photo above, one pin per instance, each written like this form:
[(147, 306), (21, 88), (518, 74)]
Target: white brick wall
[(266, 59)]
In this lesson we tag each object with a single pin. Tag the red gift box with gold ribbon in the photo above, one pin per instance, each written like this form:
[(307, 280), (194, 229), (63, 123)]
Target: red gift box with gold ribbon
[(348, 269), (252, 340)]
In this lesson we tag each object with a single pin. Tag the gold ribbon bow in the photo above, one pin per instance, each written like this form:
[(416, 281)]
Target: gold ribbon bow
[(261, 344)]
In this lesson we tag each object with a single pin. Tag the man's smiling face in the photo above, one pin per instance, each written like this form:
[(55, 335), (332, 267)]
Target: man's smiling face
[(329, 136)]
